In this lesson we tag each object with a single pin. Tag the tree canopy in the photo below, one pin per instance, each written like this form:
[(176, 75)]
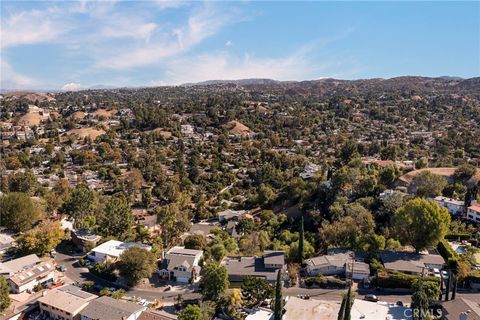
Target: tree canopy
[(421, 223)]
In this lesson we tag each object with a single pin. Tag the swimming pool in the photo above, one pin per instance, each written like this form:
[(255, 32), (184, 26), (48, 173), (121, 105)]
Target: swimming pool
[(461, 249)]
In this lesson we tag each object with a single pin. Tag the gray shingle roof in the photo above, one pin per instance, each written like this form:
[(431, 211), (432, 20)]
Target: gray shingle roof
[(106, 308)]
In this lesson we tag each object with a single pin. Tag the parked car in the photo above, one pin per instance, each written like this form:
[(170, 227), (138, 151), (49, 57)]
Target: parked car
[(371, 297)]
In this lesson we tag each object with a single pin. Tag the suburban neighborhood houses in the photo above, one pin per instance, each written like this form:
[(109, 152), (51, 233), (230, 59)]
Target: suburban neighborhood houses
[(242, 201)]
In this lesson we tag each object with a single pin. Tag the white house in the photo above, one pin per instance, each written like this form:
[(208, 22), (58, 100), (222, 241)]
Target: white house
[(112, 249), (473, 212), (331, 264), (39, 274), (181, 264), (453, 206)]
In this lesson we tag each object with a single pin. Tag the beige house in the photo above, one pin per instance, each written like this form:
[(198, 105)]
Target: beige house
[(39, 274), (64, 303)]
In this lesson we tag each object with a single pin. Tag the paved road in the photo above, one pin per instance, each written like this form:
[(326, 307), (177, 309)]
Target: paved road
[(78, 274)]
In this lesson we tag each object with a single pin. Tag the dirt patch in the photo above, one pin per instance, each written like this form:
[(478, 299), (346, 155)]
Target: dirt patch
[(30, 119), (103, 113), (78, 115), (82, 133), (237, 128), (31, 96)]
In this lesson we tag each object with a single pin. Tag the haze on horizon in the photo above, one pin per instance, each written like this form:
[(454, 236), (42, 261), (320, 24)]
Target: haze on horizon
[(78, 44)]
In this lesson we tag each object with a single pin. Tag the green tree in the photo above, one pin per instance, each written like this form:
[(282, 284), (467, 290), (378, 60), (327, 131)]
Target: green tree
[(464, 172), (421, 223), (308, 250), (18, 212), (214, 281), (426, 184), (348, 305), (388, 175), (80, 203), (256, 290), (195, 241), (136, 263), (191, 312), (424, 294), (25, 182), (117, 218), (42, 239), (4, 297), (278, 306), (218, 251)]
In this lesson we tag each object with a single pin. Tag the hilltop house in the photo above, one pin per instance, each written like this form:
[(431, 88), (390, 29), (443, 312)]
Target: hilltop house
[(343, 263), (410, 262), (453, 206), (473, 212), (181, 264), (265, 267)]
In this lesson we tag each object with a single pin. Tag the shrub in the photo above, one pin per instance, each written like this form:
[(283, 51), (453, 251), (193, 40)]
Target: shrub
[(458, 235), (396, 280), (448, 253), (325, 283)]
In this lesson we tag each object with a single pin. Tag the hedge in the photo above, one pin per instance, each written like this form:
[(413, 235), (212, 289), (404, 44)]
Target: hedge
[(395, 280), (447, 252), (456, 236), (325, 283)]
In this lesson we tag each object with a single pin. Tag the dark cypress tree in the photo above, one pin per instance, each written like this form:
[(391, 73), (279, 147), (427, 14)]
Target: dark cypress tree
[(341, 312), (301, 243), (278, 308), (454, 292), (449, 283), (348, 304)]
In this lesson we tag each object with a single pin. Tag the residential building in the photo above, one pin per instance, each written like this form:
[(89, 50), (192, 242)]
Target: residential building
[(14, 266), (181, 264), (260, 314), (85, 239), (366, 310), (330, 264), (112, 249), (410, 262), (230, 214), (106, 308), (453, 206), (265, 267), (461, 309), (42, 273), (473, 212), (338, 263), (151, 314), (64, 303)]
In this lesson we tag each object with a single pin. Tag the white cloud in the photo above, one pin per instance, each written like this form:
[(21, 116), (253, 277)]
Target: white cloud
[(30, 27), (228, 43), (72, 86), (201, 24)]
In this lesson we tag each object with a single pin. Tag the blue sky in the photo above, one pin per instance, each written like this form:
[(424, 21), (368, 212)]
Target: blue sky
[(72, 45)]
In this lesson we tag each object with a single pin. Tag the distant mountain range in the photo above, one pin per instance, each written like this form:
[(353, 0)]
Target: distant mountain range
[(330, 85)]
